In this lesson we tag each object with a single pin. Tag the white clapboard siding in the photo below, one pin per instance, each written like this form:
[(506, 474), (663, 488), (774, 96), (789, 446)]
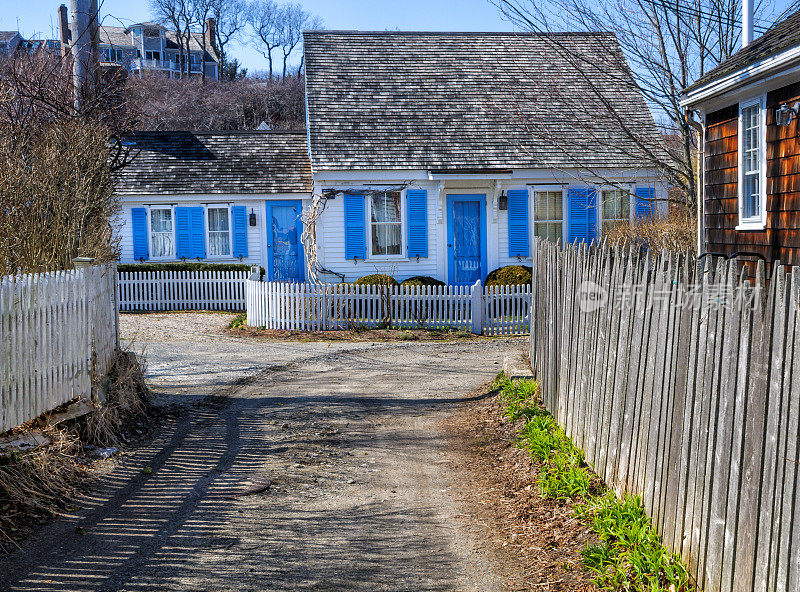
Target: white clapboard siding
[(313, 307), (681, 383), (58, 332), (181, 290)]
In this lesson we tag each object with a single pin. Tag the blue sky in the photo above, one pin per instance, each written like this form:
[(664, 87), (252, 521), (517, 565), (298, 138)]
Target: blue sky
[(38, 17)]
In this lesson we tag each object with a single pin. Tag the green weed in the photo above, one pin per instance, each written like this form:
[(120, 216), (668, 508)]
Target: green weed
[(630, 556), (238, 321)]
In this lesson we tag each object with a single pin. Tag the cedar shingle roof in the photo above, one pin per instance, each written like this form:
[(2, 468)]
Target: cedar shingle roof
[(781, 36), (418, 100), (175, 163)]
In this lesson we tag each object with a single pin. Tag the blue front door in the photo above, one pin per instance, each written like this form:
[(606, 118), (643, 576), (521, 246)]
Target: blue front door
[(284, 250), (466, 238)]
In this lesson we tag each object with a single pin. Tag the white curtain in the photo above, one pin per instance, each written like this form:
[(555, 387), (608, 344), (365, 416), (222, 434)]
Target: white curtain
[(161, 233)]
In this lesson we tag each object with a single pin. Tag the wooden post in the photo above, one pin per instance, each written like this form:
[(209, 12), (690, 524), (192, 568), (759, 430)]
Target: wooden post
[(477, 308)]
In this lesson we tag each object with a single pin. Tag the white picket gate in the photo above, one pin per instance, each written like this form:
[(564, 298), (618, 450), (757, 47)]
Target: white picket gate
[(181, 290), (502, 310), (58, 333)]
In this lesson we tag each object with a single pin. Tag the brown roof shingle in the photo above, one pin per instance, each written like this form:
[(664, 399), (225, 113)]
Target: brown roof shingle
[(176, 163), (419, 100)]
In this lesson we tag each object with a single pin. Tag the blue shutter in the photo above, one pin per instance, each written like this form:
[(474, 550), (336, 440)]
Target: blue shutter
[(518, 229), (417, 210), (355, 238), (239, 216), (139, 226), (197, 232), (582, 209), (183, 241), (644, 205)]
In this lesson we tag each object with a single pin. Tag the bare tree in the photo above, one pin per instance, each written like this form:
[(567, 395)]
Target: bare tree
[(57, 166), (230, 21), (292, 21), (665, 45), (201, 11), (177, 14), (263, 18)]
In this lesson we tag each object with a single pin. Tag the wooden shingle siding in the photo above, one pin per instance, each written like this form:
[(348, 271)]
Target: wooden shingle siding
[(721, 180), (781, 238)]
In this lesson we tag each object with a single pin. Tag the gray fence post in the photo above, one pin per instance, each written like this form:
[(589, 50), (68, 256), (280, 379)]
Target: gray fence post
[(476, 295)]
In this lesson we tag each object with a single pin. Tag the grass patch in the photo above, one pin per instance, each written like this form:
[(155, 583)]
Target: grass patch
[(630, 555), (238, 321)]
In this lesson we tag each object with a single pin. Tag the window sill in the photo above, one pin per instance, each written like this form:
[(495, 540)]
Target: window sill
[(751, 226)]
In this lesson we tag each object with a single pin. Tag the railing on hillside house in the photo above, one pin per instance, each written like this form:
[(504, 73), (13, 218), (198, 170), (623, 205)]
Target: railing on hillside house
[(681, 383), (59, 332), (497, 310)]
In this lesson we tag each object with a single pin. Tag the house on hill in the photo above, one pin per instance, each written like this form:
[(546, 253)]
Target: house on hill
[(749, 106)]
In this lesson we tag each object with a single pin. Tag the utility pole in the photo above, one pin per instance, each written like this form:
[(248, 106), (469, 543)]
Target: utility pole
[(84, 28)]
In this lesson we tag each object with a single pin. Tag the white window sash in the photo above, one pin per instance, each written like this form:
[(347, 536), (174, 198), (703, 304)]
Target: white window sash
[(601, 215), (209, 232), (563, 220), (759, 221), (402, 255), (151, 242)]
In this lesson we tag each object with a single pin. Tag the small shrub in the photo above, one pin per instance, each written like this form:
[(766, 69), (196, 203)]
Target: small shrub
[(421, 280), (376, 279), (674, 231), (510, 275)]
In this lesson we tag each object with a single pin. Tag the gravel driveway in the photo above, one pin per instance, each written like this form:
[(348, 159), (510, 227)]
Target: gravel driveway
[(329, 473)]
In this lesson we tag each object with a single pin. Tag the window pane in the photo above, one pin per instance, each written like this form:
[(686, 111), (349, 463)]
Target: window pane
[(386, 239), (547, 205), (555, 210), (386, 207), (162, 244), (218, 219), (219, 243), (161, 220), (548, 230)]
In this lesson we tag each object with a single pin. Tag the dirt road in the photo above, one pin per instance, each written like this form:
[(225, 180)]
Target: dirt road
[(345, 444)]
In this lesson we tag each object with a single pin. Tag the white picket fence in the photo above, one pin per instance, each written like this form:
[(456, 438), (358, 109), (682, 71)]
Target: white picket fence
[(58, 334), (182, 290), (496, 310)]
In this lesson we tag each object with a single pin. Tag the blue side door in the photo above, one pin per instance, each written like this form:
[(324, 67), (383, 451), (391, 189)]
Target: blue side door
[(284, 250), (466, 238)]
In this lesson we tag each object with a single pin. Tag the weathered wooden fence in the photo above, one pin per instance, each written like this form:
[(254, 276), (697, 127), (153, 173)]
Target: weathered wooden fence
[(497, 310), (681, 382), (58, 332), (182, 290)]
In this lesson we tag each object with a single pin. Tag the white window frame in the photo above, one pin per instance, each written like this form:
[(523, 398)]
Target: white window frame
[(150, 250), (216, 206), (758, 222), (532, 209), (601, 219), (403, 256)]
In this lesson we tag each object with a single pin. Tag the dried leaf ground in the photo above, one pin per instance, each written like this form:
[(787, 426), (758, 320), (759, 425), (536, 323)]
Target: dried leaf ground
[(537, 542)]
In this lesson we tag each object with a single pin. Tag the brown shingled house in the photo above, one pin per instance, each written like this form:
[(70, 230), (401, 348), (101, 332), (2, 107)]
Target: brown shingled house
[(751, 174)]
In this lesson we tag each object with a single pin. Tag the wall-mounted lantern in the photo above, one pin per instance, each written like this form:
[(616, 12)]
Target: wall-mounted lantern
[(502, 202), (784, 114), (252, 217)]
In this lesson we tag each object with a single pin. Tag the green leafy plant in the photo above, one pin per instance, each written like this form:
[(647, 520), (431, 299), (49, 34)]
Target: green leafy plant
[(629, 556), (238, 321)]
